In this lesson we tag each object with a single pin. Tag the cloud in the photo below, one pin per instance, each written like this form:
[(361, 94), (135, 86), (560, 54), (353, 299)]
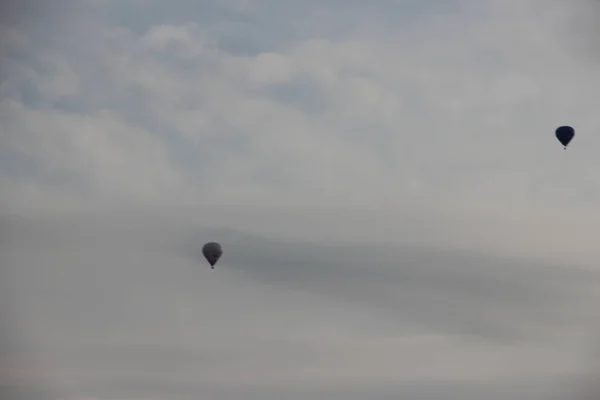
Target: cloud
[(398, 219), (121, 306), (428, 108)]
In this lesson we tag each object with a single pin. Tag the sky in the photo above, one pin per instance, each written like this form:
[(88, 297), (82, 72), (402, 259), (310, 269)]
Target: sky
[(397, 218)]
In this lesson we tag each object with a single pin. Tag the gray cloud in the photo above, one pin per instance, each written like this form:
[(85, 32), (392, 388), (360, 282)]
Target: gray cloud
[(430, 391), (397, 218), (122, 305), (462, 80)]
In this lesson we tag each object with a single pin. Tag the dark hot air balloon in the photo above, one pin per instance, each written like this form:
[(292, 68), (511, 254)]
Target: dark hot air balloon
[(564, 134), (212, 251)]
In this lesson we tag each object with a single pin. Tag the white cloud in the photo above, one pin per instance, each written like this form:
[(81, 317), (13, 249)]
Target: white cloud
[(437, 111)]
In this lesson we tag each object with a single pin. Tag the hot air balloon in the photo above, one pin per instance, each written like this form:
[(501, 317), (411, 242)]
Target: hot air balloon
[(212, 251), (564, 134)]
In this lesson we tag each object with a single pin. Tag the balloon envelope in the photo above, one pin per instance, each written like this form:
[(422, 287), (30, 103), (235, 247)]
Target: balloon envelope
[(564, 134), (212, 251)]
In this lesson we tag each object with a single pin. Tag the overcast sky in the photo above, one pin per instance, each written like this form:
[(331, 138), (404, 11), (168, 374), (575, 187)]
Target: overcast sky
[(397, 217)]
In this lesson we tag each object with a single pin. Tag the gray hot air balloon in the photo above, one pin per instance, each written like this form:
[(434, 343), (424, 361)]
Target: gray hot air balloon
[(212, 251)]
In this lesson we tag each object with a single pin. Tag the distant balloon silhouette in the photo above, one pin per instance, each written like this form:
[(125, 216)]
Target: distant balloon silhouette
[(212, 251), (565, 134)]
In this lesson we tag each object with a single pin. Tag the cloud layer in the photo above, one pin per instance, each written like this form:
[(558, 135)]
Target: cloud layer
[(380, 106), (397, 218), (126, 307)]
